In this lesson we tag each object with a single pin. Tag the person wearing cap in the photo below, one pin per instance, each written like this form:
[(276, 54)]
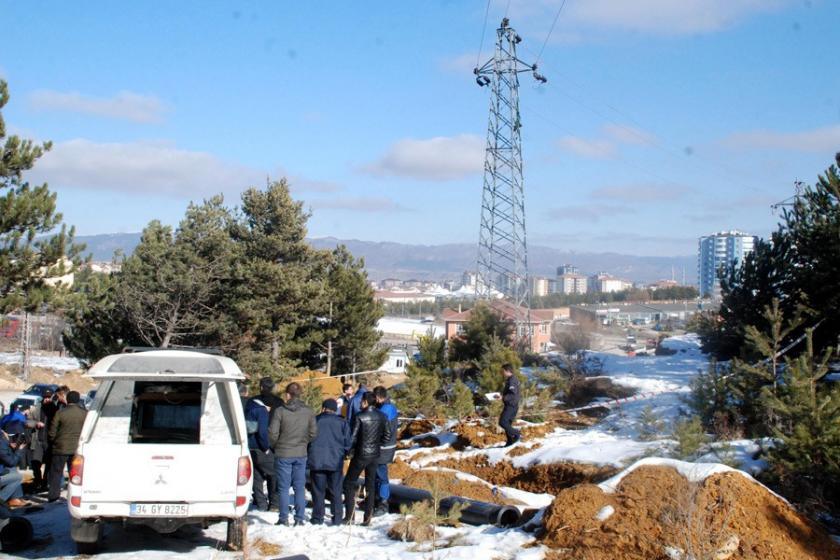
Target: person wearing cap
[(262, 456), (326, 456)]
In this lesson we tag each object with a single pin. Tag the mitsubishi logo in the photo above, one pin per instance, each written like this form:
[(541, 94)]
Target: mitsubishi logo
[(160, 479)]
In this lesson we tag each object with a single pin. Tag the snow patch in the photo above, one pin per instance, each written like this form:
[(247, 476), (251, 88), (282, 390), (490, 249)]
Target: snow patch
[(604, 513)]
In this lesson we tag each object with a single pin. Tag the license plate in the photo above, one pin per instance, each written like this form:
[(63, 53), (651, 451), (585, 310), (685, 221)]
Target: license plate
[(159, 510)]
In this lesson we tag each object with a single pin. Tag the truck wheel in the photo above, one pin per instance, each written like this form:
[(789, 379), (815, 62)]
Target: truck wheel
[(237, 533), (87, 548)]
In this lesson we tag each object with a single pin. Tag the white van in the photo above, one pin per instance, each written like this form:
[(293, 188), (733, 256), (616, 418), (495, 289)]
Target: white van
[(164, 445)]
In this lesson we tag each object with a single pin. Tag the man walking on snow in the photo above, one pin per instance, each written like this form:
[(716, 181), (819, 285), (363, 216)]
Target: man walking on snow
[(510, 396)]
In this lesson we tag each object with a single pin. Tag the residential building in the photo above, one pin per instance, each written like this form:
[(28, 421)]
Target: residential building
[(390, 283), (605, 283), (567, 269), (571, 283), (403, 296), (537, 323), (720, 252), (539, 286)]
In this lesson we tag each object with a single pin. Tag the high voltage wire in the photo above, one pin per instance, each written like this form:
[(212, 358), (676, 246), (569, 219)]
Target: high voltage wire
[(550, 31), (483, 30)]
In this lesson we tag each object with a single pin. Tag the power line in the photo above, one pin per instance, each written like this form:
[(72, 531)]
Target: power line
[(550, 31), (483, 31)]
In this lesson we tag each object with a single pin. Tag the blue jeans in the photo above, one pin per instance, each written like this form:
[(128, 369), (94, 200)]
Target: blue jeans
[(383, 488), (291, 473), (10, 485)]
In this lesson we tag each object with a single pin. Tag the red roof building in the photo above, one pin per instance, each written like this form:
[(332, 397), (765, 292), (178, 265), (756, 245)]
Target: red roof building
[(539, 322)]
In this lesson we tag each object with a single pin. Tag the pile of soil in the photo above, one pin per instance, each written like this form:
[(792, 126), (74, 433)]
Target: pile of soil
[(523, 449), (725, 517), (448, 484), (584, 390), (551, 478), (479, 435), (416, 427), (411, 529), (9, 381), (570, 421), (399, 469)]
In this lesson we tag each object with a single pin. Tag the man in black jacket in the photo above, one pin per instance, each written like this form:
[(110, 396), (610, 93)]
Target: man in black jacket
[(510, 396), (326, 457), (371, 430)]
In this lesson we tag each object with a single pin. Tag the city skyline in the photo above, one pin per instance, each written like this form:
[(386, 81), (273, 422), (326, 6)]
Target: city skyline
[(650, 133)]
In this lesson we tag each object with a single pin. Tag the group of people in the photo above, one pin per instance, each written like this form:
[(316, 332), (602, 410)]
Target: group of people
[(287, 439), (42, 438)]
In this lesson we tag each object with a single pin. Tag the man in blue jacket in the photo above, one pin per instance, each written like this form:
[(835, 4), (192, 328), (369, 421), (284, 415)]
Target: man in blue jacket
[(355, 404), (262, 457), (10, 476), (387, 451), (326, 456)]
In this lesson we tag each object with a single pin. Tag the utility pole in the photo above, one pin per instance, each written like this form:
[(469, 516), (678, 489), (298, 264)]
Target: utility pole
[(329, 346), (26, 347), (502, 263)]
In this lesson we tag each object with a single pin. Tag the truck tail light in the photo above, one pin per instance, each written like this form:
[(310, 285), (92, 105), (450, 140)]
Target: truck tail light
[(240, 500), (77, 467), (243, 474)]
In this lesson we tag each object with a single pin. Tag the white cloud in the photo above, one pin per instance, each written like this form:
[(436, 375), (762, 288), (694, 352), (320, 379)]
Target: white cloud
[(660, 17), (153, 167), (629, 134), (598, 149), (358, 204), (125, 105), (442, 158), (818, 140)]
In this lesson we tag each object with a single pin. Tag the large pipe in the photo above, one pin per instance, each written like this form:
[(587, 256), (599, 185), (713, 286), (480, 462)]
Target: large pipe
[(473, 512)]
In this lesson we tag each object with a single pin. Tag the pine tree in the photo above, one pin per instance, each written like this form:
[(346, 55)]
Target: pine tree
[(29, 251), (461, 403), (484, 324), (806, 457), (432, 351), (496, 354), (419, 394)]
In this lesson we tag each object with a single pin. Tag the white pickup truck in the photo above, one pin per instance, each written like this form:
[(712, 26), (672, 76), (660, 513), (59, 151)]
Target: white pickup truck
[(164, 445)]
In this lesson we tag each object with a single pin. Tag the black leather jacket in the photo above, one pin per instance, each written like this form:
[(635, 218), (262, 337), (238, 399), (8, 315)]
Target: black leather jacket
[(371, 430)]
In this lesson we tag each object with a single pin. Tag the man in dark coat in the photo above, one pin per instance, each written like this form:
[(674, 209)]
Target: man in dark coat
[(354, 406), (262, 457), (267, 395), (386, 454), (10, 476), (371, 430), (291, 430), (510, 396), (326, 457), (64, 435)]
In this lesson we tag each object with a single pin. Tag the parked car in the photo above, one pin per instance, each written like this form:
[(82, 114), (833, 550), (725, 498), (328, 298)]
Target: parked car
[(87, 398), (164, 445), (41, 388), (25, 402)]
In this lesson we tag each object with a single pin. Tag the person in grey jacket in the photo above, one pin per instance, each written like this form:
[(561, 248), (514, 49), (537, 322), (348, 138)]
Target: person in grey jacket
[(291, 430)]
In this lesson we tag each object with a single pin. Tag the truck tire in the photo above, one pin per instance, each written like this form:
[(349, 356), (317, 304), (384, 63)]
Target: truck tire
[(15, 534), (237, 533), (87, 548)]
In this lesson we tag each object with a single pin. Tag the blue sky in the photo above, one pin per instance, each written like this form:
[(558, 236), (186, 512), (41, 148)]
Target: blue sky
[(661, 121)]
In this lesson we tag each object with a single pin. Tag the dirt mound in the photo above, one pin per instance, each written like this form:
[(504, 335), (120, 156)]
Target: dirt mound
[(523, 449), (9, 381), (569, 421), (551, 479), (448, 484), (481, 436), (416, 427), (411, 529), (399, 469), (658, 514)]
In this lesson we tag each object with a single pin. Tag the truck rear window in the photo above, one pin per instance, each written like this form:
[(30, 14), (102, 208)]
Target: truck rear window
[(166, 412)]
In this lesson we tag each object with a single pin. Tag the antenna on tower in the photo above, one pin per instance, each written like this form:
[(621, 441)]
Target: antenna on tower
[(502, 248)]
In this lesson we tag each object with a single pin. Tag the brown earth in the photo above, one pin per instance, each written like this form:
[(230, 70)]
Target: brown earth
[(726, 517), (411, 529), (550, 479), (416, 427), (399, 469), (481, 435), (523, 449), (265, 549), (570, 421), (9, 381), (448, 484)]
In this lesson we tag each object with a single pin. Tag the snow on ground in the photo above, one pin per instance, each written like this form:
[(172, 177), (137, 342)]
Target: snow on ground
[(47, 362), (407, 327), (662, 381)]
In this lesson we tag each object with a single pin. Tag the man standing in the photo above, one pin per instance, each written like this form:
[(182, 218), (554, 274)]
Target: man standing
[(291, 430), (267, 395), (326, 455), (386, 453), (344, 400), (354, 405), (256, 414), (510, 396), (64, 435), (371, 431)]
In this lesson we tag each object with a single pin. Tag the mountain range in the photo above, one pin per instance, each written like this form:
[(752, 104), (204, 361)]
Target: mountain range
[(385, 259)]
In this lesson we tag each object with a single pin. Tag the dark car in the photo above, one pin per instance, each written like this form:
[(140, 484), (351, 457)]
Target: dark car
[(41, 388)]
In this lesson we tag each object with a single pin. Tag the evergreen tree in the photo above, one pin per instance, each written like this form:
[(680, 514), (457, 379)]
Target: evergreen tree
[(461, 403), (419, 395), (432, 351), (806, 457), (29, 250), (483, 325), (495, 355)]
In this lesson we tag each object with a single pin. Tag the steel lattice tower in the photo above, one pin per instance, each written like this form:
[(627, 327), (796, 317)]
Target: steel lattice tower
[(502, 247)]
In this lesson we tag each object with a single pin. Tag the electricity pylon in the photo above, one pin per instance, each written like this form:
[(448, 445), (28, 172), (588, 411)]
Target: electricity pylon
[(502, 246)]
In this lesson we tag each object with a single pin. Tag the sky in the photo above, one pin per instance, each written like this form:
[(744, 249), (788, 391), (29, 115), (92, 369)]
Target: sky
[(660, 122)]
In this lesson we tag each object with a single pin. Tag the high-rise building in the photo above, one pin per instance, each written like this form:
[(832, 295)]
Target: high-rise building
[(567, 269), (724, 250)]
